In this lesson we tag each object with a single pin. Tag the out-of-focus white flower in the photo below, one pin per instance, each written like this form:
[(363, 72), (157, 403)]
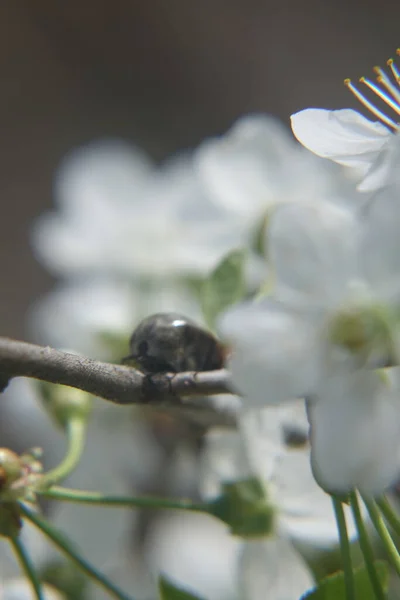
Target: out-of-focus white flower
[(82, 314), (272, 445), (332, 314), (196, 552), (370, 149), (355, 431), (336, 285), (119, 216), (257, 166)]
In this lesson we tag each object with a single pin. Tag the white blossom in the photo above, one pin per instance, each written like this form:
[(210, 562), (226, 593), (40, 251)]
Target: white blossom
[(355, 431), (257, 166), (118, 215), (272, 445), (370, 149), (332, 315)]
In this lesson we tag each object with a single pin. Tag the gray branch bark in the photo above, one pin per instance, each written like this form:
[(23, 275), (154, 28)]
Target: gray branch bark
[(120, 384)]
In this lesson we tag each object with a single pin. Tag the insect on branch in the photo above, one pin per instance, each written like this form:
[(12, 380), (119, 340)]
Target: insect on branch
[(116, 383)]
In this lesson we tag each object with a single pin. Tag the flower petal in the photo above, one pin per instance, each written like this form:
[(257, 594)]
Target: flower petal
[(306, 514), (243, 169), (355, 432), (196, 552), (275, 355), (273, 569), (380, 243), (313, 251), (344, 136)]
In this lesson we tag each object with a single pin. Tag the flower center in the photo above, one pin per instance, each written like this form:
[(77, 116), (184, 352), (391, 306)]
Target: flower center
[(364, 331), (387, 88)]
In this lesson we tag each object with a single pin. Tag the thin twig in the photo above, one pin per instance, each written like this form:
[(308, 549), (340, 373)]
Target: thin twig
[(117, 383)]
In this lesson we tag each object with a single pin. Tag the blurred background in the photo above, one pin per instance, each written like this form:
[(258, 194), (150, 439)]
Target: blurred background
[(163, 74)]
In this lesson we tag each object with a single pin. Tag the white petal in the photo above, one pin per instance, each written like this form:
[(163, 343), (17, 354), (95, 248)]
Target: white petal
[(313, 251), (275, 355), (355, 433), (380, 243), (115, 440), (242, 169), (345, 136), (223, 460), (100, 175), (196, 552), (263, 434), (306, 514), (273, 569)]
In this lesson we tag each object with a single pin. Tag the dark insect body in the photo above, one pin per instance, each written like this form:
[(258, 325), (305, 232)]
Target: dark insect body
[(172, 343)]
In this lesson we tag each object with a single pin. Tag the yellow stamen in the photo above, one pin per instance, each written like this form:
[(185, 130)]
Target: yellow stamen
[(384, 80), (386, 88), (368, 104), (380, 93), (395, 72)]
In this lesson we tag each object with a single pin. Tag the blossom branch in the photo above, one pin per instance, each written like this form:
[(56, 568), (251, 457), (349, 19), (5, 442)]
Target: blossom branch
[(116, 383)]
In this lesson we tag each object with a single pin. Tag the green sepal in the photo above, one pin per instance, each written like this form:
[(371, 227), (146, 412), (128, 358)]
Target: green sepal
[(224, 286), (244, 507), (169, 591), (259, 237), (333, 587)]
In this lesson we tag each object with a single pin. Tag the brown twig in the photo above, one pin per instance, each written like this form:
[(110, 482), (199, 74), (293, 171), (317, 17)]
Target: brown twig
[(116, 383)]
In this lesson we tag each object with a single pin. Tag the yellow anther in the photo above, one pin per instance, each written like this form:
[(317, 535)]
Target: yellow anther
[(385, 88)]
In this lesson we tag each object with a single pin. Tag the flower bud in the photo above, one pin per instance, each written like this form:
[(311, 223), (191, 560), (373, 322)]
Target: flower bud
[(11, 467)]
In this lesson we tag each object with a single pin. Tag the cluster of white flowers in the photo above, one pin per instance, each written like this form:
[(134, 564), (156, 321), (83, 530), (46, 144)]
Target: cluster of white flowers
[(129, 239), (332, 317)]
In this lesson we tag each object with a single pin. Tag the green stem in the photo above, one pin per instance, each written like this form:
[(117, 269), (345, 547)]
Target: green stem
[(366, 548), (390, 514), (70, 495), (383, 533), (76, 429), (27, 567), (345, 549), (69, 550)]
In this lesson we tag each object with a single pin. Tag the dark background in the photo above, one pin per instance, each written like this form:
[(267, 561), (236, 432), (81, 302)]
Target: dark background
[(162, 73)]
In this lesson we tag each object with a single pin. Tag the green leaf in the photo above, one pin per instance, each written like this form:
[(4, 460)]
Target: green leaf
[(169, 591), (225, 286), (244, 507), (333, 587)]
